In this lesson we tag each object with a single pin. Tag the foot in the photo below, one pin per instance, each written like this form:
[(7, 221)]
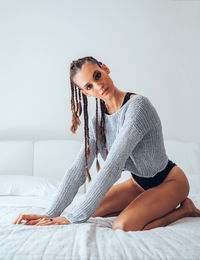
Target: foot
[(190, 208)]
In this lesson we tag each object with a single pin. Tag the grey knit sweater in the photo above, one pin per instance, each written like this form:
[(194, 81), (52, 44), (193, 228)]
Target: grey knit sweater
[(135, 143)]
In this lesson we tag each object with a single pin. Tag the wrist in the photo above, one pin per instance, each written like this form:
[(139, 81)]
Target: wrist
[(67, 221)]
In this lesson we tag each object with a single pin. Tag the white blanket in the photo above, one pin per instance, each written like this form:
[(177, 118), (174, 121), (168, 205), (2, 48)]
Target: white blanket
[(93, 239)]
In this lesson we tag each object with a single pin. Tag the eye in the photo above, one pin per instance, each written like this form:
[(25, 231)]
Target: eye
[(88, 86), (98, 76)]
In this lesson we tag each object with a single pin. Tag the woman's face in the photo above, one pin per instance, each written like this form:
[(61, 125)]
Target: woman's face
[(93, 80)]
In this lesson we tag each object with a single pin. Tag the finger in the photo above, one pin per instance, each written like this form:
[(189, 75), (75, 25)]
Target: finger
[(46, 221), (15, 221), (42, 222), (32, 222), (19, 219), (29, 217), (45, 224)]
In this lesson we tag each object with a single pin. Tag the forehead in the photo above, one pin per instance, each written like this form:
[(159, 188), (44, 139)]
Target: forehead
[(85, 74)]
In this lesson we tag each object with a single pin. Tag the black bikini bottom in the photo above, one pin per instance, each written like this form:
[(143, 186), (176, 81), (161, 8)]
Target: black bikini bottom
[(148, 183)]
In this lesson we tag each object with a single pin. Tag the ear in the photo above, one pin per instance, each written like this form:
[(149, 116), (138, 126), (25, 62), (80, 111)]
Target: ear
[(104, 67)]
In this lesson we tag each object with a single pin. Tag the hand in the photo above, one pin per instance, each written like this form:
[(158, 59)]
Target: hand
[(31, 218), (56, 221)]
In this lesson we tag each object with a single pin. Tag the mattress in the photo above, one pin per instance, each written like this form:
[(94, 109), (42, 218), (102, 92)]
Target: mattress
[(93, 239)]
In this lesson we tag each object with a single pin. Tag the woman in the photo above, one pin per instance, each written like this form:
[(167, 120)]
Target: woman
[(128, 135)]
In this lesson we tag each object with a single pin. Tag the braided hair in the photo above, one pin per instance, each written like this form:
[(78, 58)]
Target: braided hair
[(77, 111)]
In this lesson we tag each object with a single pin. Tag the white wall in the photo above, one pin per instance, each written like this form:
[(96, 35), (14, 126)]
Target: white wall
[(151, 47)]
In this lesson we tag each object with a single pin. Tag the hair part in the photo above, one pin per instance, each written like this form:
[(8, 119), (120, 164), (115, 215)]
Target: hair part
[(76, 108)]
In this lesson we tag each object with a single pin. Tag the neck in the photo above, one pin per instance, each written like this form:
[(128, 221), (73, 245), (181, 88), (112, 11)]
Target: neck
[(114, 100)]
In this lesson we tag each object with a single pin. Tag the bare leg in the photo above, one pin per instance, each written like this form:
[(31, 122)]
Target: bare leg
[(154, 203), (118, 198), (187, 209)]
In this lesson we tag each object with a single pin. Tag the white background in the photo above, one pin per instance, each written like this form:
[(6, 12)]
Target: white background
[(151, 47)]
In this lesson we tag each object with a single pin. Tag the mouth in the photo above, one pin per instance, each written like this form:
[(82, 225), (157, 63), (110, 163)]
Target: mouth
[(105, 92)]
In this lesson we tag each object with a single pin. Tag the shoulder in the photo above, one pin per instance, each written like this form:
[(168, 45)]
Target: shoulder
[(138, 102), (141, 112), (134, 106)]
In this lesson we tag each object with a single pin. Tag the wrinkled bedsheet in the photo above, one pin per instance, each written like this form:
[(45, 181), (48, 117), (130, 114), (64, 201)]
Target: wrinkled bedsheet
[(93, 239)]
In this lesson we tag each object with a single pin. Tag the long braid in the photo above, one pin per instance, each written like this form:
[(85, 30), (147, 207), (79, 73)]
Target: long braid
[(87, 149), (76, 99), (102, 125), (97, 162), (75, 119), (74, 67), (79, 104)]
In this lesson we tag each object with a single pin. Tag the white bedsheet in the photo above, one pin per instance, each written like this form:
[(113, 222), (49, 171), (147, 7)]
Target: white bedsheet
[(93, 239)]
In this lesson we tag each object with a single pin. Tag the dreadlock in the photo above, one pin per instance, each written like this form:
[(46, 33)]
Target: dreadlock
[(77, 111)]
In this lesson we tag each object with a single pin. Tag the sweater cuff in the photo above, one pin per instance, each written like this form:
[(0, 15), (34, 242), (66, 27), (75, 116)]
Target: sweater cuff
[(71, 218)]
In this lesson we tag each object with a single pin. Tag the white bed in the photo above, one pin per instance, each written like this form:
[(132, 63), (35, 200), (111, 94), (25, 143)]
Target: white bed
[(95, 238)]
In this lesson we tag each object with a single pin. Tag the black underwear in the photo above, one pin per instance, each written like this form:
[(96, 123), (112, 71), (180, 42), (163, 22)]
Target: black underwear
[(147, 183)]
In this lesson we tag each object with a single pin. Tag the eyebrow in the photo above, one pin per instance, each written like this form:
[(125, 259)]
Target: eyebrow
[(93, 77)]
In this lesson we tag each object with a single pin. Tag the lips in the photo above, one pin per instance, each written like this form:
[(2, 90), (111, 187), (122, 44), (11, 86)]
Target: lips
[(105, 91)]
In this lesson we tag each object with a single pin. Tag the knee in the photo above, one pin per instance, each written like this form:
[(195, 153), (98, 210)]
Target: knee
[(125, 227), (117, 225)]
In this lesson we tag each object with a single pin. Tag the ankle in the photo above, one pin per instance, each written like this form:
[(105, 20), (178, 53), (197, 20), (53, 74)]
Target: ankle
[(187, 212)]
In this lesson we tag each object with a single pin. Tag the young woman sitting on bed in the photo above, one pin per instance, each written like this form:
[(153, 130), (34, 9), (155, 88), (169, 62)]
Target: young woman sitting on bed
[(127, 132)]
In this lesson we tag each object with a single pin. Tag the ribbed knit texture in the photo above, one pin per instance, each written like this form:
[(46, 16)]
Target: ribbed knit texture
[(135, 143)]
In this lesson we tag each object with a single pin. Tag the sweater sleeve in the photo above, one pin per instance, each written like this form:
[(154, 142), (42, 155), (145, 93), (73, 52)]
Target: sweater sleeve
[(73, 178), (132, 131)]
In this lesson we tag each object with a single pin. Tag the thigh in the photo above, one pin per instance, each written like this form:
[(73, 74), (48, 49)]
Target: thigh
[(118, 197), (154, 202)]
